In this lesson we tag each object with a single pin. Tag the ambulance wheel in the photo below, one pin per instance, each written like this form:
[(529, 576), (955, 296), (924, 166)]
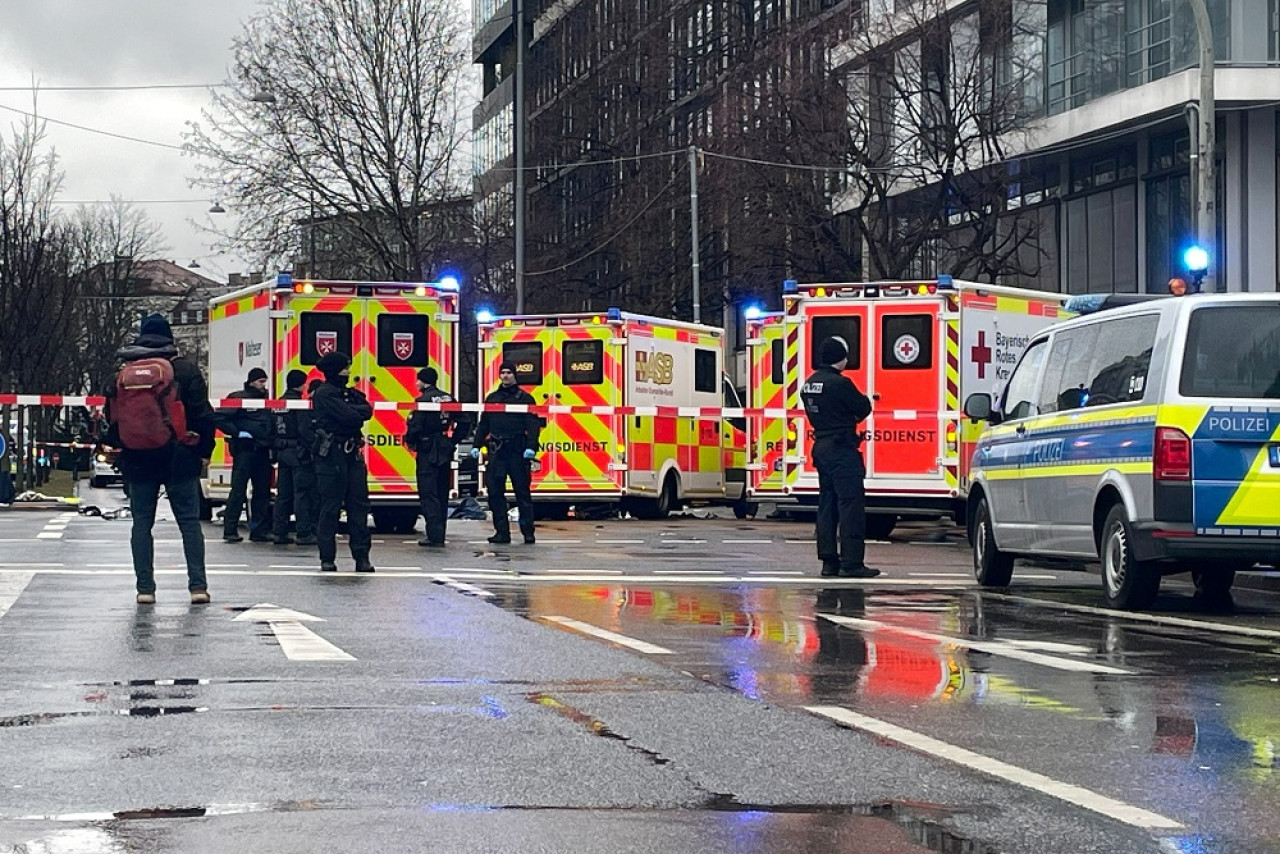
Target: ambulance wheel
[(394, 520), (880, 525), (744, 509), (991, 567), (1127, 582), (660, 507)]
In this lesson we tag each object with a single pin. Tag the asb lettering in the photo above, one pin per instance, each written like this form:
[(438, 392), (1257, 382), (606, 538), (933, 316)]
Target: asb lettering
[(654, 367)]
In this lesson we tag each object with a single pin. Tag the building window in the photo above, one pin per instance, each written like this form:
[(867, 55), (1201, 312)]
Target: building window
[(1102, 241)]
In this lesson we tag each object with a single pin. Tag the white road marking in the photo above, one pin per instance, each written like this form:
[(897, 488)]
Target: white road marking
[(683, 542), (589, 571), (991, 647), (1158, 619), (460, 586), (620, 542), (548, 577), (1029, 575), (49, 535), (11, 587), (940, 574), (605, 634), (557, 542), (688, 572), (775, 572), (1081, 797), (752, 542), (800, 542), (297, 641)]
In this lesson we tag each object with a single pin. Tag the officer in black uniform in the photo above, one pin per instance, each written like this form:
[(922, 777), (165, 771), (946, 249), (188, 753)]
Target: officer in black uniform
[(835, 407), (512, 440), (342, 478), (295, 474), (250, 435), (432, 436)]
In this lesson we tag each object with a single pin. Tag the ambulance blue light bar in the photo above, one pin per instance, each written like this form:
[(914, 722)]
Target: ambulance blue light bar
[(945, 282), (484, 315), (448, 283), (753, 312), (614, 314), (284, 281), (790, 286)]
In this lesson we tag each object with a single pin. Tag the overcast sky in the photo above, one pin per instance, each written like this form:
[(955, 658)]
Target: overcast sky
[(129, 43)]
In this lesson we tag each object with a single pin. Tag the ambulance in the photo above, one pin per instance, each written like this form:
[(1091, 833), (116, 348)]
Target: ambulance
[(390, 329), (635, 412), (917, 349)]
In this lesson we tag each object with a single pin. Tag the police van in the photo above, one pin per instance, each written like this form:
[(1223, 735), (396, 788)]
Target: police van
[(1145, 434)]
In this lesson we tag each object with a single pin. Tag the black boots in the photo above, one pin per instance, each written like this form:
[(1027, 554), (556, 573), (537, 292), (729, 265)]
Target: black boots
[(527, 531)]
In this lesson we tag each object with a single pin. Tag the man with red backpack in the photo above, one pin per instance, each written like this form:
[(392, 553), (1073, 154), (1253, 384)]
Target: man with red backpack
[(161, 420)]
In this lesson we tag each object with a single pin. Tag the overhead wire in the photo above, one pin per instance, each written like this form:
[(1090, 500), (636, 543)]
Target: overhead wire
[(41, 118)]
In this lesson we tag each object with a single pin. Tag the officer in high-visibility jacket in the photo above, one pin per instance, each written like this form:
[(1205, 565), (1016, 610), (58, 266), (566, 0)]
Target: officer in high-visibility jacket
[(512, 440), (835, 407)]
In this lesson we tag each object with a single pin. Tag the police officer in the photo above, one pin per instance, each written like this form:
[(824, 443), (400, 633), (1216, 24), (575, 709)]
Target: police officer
[(432, 436), (250, 434), (512, 440), (342, 480), (835, 407), (295, 474)]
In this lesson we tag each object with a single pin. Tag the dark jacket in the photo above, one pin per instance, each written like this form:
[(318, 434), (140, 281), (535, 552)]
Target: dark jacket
[(295, 433), (516, 428), (432, 435), (340, 411), (834, 405), (177, 461), (257, 422)]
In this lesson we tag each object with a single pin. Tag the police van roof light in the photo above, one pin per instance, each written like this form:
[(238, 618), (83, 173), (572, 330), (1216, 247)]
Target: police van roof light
[(1196, 259), (484, 316), (284, 281)]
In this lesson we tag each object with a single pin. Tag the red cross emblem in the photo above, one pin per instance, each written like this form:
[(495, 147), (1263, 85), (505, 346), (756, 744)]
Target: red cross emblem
[(402, 345), (981, 354), (326, 343), (906, 348)]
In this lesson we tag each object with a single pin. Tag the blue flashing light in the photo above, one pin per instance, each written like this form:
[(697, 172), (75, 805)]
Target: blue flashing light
[(753, 312), (945, 282), (284, 281), (1086, 303), (448, 282), (484, 316), (1196, 258), (614, 313), (790, 286)]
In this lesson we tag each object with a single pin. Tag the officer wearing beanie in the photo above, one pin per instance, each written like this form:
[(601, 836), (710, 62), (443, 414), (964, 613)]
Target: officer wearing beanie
[(250, 435), (512, 440), (296, 474), (835, 407), (342, 479), (432, 437)]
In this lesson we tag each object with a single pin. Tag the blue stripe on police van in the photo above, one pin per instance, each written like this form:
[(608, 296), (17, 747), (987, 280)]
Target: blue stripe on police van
[(1126, 440)]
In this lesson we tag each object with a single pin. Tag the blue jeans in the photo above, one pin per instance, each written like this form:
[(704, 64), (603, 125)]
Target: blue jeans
[(184, 500)]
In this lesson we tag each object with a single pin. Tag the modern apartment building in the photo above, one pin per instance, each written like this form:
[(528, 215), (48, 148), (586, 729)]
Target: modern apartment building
[(1092, 180)]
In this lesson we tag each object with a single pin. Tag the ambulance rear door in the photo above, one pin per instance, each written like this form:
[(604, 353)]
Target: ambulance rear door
[(766, 389), (399, 340), (823, 319), (905, 357)]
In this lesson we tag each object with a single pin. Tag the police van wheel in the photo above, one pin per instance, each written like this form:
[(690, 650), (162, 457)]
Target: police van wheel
[(1127, 583), (991, 567), (880, 525)]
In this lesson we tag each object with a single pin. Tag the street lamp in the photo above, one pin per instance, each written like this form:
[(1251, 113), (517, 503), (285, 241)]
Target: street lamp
[(217, 209)]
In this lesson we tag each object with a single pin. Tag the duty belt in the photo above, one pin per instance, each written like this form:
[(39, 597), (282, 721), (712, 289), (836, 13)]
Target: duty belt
[(351, 446)]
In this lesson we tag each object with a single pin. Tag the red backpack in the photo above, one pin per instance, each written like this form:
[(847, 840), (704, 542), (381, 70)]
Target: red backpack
[(147, 409)]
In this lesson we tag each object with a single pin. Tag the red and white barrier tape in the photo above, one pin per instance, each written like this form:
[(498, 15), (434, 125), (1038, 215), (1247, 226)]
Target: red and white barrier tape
[(542, 409)]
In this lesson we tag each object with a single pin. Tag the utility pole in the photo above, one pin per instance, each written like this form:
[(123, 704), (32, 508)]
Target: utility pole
[(518, 120), (1206, 195), (693, 232)]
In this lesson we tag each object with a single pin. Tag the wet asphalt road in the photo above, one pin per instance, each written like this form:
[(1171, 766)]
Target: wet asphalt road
[(622, 686)]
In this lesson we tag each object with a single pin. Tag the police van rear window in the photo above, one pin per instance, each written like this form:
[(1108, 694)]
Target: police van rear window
[(1233, 351), (324, 332), (848, 327), (527, 357), (582, 362)]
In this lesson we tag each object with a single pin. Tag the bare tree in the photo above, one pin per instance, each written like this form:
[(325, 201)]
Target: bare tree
[(347, 112), (105, 245)]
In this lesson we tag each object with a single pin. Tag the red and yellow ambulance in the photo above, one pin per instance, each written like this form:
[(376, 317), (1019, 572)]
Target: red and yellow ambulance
[(917, 349), (634, 409), (390, 330)]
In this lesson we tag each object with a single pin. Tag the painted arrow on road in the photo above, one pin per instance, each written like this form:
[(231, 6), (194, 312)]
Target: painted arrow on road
[(298, 642)]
